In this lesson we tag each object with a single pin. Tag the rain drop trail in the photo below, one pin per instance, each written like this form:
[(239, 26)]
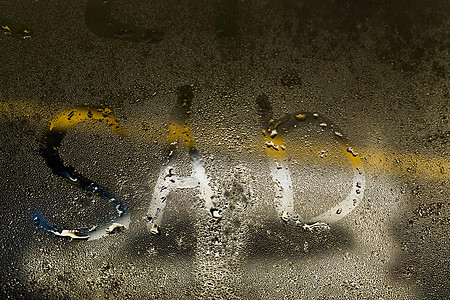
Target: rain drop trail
[(50, 145), (14, 29), (99, 20), (274, 132), (167, 180)]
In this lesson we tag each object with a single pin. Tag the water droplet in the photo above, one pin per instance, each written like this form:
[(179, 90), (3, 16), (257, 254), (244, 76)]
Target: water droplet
[(272, 145), (36, 221), (273, 133), (73, 234), (353, 152), (114, 227), (319, 226), (155, 229), (300, 117), (216, 213), (285, 216), (305, 247)]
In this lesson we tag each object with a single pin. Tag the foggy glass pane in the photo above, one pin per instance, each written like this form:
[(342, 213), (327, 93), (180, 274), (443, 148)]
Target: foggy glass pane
[(224, 149)]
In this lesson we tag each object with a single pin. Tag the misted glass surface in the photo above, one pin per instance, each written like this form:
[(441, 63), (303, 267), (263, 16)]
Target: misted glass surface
[(224, 149)]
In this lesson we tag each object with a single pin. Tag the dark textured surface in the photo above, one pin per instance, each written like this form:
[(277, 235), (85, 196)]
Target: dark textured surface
[(379, 70)]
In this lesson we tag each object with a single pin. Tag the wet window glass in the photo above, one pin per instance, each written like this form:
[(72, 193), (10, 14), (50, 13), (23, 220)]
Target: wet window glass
[(224, 149)]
